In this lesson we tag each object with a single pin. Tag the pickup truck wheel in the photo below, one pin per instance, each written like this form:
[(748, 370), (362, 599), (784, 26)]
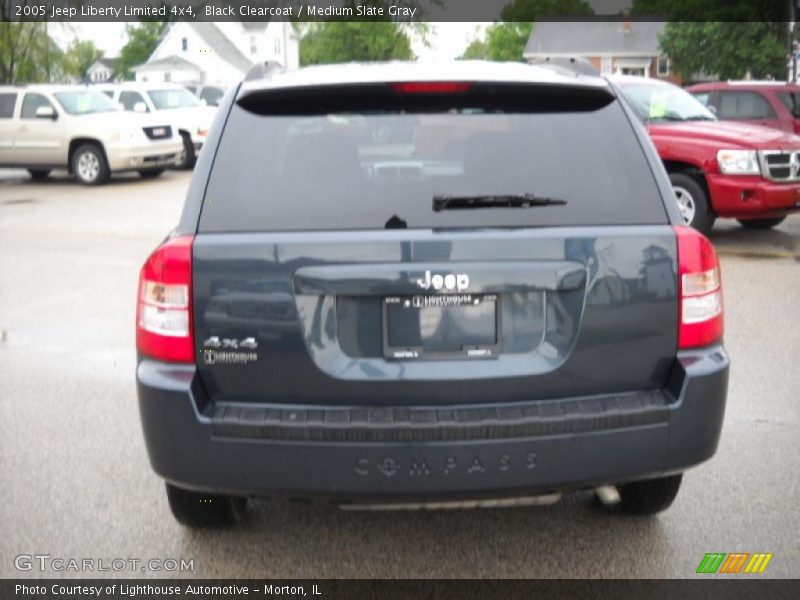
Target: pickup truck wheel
[(649, 496), (186, 157), (692, 202), (197, 510), (89, 165), (761, 223), (39, 174), (150, 173)]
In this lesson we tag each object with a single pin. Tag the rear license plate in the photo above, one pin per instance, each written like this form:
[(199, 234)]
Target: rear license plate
[(441, 326)]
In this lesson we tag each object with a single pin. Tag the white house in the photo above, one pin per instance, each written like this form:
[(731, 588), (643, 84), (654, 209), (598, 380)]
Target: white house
[(219, 53), (102, 71)]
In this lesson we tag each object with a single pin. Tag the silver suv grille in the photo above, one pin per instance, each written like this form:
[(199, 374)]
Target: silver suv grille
[(780, 165)]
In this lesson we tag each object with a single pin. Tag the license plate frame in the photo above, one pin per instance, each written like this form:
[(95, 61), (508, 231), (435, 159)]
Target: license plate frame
[(442, 302)]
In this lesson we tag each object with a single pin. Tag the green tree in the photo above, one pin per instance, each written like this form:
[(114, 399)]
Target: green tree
[(533, 10), (373, 38), (80, 55), (714, 10), (478, 49), (729, 50), (344, 41), (142, 40), (505, 41), (28, 54), (723, 38)]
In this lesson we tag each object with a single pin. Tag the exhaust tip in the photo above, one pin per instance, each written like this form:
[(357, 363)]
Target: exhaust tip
[(608, 494)]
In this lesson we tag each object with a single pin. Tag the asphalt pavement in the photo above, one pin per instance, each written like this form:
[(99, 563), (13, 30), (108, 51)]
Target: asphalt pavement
[(75, 481)]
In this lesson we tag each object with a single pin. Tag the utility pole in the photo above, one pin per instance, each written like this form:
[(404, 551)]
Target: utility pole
[(792, 48)]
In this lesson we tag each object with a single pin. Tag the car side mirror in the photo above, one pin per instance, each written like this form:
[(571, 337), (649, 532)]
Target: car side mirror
[(46, 112), (203, 102), (140, 107), (712, 108)]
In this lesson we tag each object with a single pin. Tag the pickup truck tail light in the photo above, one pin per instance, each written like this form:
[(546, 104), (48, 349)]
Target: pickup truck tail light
[(164, 307), (700, 288)]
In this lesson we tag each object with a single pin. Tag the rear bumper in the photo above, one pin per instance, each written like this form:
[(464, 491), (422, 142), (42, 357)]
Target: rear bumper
[(752, 197), (403, 453)]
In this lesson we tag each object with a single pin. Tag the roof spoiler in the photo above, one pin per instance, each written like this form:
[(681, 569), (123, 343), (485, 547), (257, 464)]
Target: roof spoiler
[(567, 65), (264, 70)]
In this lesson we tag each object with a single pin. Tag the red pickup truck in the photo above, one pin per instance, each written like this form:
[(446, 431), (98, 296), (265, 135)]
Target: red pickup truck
[(718, 169)]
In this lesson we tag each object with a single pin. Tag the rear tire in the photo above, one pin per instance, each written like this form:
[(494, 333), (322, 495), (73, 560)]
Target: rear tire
[(151, 173), (197, 510), (693, 202), (39, 174), (89, 165), (761, 223), (186, 158), (649, 496)]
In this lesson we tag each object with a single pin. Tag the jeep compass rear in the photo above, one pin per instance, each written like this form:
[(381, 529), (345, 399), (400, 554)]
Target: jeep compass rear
[(407, 285)]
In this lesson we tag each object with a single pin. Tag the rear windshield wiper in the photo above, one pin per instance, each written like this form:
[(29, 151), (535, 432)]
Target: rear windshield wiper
[(441, 202)]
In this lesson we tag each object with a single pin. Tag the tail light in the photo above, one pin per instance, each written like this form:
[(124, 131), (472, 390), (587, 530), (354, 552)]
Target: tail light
[(164, 308), (700, 285)]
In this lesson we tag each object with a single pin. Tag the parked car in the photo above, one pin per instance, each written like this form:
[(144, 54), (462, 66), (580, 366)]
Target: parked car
[(718, 169), (492, 321), (773, 104), (45, 127), (184, 110), (210, 94)]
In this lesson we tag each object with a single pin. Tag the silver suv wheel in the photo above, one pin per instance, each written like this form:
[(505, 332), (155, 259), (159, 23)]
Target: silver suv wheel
[(88, 166)]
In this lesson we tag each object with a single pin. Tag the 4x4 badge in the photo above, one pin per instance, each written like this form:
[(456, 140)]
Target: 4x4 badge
[(232, 343)]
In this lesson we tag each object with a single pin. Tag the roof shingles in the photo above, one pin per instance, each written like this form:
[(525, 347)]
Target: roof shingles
[(595, 38)]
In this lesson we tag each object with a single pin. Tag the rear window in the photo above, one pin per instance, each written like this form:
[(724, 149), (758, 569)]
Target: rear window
[(377, 169)]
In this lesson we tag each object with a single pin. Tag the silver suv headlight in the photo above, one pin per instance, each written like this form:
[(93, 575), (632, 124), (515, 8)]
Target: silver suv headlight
[(738, 162)]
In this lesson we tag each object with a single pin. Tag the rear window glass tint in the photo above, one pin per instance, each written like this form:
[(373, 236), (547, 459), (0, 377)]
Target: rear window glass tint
[(7, 102), (370, 171)]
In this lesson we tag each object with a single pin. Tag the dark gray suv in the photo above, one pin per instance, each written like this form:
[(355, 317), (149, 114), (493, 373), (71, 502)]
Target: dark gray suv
[(492, 304)]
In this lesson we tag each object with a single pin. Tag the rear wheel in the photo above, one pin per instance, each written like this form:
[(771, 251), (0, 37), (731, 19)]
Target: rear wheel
[(39, 174), (649, 496), (761, 223), (197, 510), (186, 158), (692, 202), (89, 165), (151, 173)]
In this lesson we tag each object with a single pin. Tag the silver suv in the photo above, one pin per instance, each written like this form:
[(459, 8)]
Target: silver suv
[(174, 103), (55, 127)]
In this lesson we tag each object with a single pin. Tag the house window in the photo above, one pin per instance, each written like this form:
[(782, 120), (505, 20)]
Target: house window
[(253, 44), (184, 44), (636, 71), (663, 66)]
